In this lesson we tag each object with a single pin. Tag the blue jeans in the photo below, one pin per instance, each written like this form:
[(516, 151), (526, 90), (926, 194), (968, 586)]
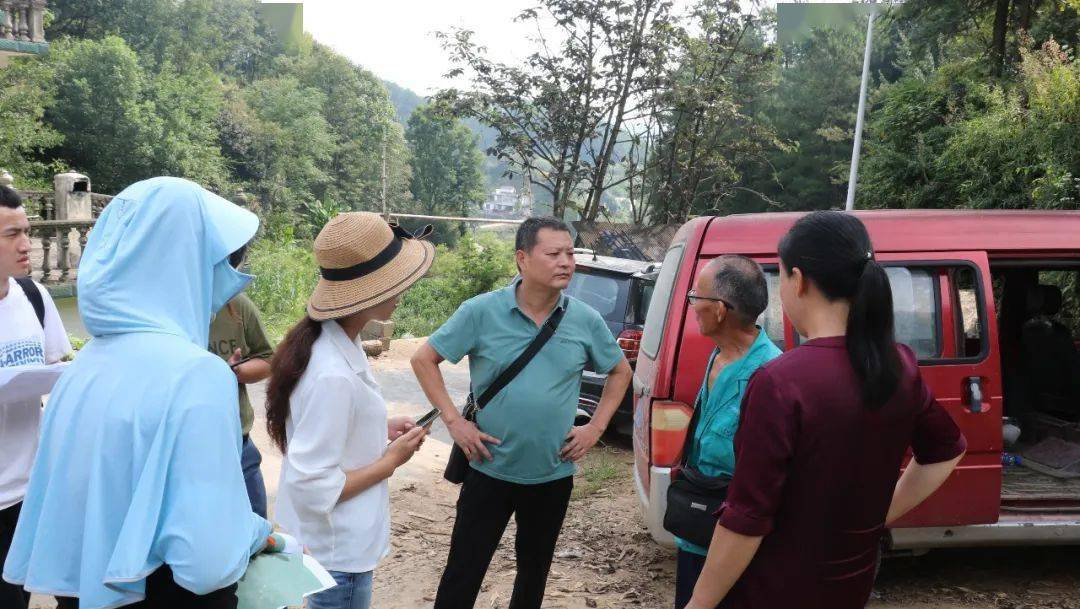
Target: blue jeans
[(353, 591), (250, 460)]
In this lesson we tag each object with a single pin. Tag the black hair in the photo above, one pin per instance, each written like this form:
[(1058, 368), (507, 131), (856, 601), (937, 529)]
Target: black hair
[(236, 259), (10, 198), (834, 252), (741, 282), (289, 364), (530, 228)]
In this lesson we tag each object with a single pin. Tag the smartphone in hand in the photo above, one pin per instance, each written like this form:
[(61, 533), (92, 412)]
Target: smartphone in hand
[(243, 361), (428, 418)]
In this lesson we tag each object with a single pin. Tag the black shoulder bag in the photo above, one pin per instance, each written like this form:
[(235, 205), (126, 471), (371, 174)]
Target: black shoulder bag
[(458, 464), (693, 498)]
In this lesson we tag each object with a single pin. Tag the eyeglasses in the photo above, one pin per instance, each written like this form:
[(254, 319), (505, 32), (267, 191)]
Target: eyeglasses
[(692, 297)]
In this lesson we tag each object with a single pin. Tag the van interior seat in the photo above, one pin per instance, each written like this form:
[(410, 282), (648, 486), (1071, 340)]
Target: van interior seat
[(1050, 356)]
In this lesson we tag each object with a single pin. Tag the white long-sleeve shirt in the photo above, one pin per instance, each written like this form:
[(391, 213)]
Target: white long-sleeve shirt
[(337, 423)]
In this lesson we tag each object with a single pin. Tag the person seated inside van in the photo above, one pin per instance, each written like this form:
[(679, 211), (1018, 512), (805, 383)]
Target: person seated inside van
[(731, 294)]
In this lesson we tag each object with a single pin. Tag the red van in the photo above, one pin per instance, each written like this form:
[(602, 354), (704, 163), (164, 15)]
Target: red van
[(978, 296)]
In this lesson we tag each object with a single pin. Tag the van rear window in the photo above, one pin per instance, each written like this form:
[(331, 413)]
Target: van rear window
[(661, 300), (605, 293)]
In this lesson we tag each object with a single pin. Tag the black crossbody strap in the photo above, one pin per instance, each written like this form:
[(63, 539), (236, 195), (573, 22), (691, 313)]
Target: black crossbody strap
[(33, 294), (546, 332), (691, 429)]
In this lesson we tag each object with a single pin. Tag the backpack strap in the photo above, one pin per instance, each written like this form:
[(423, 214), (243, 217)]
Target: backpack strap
[(33, 294)]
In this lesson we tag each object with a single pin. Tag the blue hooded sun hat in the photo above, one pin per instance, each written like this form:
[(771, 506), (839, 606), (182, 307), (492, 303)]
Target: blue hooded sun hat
[(139, 459)]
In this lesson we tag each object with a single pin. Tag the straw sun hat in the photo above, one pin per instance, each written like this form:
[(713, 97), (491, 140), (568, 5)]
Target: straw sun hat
[(363, 262)]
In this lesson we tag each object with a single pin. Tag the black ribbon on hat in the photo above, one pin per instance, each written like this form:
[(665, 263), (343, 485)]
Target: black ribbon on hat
[(380, 260)]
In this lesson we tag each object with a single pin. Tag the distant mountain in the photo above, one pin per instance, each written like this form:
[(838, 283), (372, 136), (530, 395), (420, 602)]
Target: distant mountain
[(404, 100), (407, 100)]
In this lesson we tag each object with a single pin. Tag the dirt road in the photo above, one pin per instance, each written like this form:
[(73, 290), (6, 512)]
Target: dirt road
[(605, 558)]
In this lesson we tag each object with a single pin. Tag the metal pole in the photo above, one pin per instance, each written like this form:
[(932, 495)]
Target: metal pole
[(853, 178), (384, 210)]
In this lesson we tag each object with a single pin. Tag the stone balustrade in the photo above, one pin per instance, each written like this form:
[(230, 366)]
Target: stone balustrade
[(60, 221), (22, 20), (39, 204), (98, 203), (62, 243)]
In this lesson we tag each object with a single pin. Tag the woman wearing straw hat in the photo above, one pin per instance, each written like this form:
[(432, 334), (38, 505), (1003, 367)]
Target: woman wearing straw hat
[(326, 412)]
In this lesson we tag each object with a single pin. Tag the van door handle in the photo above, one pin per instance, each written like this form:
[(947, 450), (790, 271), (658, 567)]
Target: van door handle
[(975, 395)]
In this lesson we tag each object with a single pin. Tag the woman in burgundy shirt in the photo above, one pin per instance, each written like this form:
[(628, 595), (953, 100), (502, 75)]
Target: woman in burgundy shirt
[(823, 433)]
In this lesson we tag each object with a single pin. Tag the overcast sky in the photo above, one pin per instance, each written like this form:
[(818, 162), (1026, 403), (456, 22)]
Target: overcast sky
[(395, 39)]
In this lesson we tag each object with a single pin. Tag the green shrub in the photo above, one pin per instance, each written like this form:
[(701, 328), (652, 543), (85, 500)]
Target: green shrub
[(285, 274), (477, 265)]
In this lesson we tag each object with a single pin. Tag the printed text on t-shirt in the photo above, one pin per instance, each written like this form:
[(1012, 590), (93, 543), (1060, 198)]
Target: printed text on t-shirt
[(22, 352)]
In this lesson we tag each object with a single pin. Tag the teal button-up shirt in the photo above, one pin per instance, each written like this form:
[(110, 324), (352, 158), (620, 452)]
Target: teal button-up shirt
[(712, 451), (535, 412)]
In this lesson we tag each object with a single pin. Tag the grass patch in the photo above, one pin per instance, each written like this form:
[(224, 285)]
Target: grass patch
[(600, 468)]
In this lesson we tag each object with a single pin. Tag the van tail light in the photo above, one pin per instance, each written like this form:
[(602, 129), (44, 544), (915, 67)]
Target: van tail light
[(670, 421), (630, 342)]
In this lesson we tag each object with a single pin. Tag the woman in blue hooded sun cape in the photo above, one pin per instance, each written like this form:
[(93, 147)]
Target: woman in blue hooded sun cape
[(137, 493)]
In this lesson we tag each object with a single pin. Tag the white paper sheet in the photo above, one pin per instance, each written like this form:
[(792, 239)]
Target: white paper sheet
[(23, 383)]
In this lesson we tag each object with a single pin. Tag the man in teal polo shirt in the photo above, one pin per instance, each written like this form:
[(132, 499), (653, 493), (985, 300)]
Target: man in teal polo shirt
[(730, 294), (523, 447)]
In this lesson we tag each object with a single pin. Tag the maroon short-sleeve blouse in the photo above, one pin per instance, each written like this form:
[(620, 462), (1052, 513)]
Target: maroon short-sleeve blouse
[(815, 471)]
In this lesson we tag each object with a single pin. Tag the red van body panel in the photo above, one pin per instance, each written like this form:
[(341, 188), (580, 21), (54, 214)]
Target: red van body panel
[(939, 241)]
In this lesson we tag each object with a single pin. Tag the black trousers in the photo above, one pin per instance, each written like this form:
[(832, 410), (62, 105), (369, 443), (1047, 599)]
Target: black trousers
[(10, 595), (687, 571), (483, 511), (162, 592)]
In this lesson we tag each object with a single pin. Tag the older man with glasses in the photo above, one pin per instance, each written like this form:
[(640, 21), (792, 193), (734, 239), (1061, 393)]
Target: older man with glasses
[(731, 293)]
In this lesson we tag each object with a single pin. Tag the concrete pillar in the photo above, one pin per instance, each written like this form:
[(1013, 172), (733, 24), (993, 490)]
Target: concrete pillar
[(37, 20), (381, 331), (72, 196), (71, 200)]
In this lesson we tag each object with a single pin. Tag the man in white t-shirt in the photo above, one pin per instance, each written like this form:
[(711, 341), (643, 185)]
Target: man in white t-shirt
[(31, 333)]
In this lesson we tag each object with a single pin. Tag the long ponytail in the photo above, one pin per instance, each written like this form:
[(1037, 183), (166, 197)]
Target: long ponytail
[(833, 250), (288, 365), (871, 338)]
